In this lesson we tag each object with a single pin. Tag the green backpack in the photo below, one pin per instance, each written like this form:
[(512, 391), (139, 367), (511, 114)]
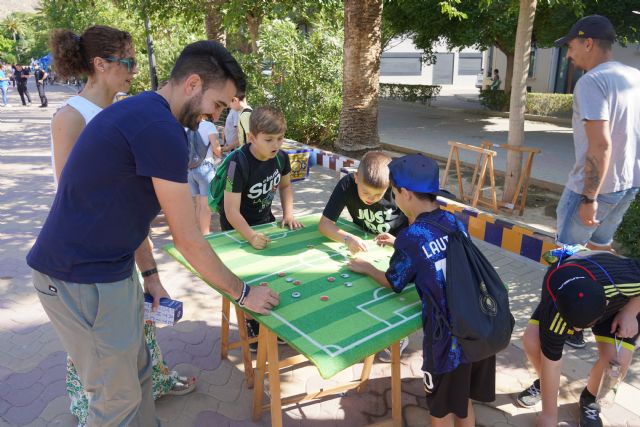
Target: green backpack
[(219, 181)]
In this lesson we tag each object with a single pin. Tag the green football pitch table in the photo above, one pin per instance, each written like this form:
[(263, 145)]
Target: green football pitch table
[(333, 323)]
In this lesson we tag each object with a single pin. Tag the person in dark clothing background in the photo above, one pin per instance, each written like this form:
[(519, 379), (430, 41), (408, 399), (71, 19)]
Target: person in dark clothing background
[(40, 76), (21, 75)]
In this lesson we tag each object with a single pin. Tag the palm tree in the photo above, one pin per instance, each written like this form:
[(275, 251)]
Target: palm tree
[(362, 36), (518, 95)]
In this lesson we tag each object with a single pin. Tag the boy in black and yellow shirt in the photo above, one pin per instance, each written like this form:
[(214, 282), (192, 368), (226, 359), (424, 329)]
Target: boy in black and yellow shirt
[(596, 290)]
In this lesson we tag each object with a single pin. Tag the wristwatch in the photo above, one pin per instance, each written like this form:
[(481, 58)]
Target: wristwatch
[(149, 272), (586, 199)]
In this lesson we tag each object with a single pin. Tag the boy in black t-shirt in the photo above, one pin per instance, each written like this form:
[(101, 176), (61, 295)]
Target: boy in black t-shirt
[(369, 200), (596, 290), (254, 174)]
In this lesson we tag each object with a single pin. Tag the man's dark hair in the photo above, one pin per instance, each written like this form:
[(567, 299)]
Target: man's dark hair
[(429, 197), (605, 45), (212, 62)]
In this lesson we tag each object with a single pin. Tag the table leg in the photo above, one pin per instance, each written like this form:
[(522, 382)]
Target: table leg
[(273, 364), (244, 346), (396, 387), (366, 373), (224, 332), (261, 362)]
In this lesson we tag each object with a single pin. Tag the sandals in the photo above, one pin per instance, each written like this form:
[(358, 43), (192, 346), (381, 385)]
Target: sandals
[(185, 385)]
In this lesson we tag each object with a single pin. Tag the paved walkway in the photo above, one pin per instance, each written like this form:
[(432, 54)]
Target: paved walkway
[(428, 129), (32, 359)]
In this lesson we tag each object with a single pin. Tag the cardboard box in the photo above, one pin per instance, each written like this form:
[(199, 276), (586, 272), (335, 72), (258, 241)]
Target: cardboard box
[(169, 312)]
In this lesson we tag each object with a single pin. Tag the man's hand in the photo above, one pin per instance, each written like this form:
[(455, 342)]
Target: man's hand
[(385, 239), (359, 265), (587, 213), (291, 222), (261, 300), (625, 324), (259, 241), (355, 244), (153, 286), (546, 421)]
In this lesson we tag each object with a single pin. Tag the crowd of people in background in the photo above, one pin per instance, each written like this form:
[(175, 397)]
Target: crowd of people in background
[(16, 77)]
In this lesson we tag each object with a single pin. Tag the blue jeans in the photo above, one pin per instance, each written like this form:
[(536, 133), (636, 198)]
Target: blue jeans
[(200, 177), (611, 209), (4, 95)]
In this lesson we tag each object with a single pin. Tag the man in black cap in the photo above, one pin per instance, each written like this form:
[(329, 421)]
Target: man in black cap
[(596, 290), (606, 131)]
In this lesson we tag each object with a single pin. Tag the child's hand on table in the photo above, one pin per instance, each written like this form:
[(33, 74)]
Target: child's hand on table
[(355, 244), (291, 222), (384, 239), (359, 265), (259, 241)]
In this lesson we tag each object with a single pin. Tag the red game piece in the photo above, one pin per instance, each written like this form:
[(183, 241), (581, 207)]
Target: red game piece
[(264, 284), (297, 282), (282, 274), (331, 279), (324, 298)]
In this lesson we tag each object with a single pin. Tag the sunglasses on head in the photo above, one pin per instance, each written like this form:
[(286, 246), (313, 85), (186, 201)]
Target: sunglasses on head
[(129, 62)]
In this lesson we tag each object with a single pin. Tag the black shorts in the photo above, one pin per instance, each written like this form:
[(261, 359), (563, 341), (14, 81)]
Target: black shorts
[(450, 393)]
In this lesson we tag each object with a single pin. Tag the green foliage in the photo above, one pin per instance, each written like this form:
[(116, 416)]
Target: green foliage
[(22, 37), (301, 74), (541, 104), (628, 233), (549, 104), (410, 93), (496, 100)]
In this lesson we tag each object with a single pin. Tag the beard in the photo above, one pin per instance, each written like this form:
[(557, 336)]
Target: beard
[(191, 113)]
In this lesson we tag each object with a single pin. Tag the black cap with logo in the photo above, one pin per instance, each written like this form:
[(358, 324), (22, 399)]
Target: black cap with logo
[(592, 26)]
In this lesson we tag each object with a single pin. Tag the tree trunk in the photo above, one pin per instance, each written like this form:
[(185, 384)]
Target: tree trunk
[(518, 96), (253, 25), (508, 76), (360, 87), (213, 21)]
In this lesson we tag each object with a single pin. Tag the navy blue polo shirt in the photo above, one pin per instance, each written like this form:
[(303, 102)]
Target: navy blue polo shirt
[(105, 200), (420, 257)]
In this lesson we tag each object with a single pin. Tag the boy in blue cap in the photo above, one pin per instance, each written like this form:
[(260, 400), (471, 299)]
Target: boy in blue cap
[(420, 257)]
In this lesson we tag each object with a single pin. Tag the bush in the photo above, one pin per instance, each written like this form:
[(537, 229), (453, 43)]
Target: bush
[(496, 100), (549, 104), (301, 74), (541, 104), (628, 234), (410, 93)]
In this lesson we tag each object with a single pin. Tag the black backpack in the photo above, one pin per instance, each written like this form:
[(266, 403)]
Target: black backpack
[(197, 148), (477, 299)]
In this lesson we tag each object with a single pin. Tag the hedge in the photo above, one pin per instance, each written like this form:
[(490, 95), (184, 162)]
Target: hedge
[(410, 93), (541, 104)]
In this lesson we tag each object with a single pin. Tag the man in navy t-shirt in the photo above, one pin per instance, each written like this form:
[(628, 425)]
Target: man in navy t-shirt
[(128, 163)]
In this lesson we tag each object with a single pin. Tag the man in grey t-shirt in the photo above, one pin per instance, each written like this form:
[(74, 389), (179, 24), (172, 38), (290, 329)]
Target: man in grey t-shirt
[(606, 133)]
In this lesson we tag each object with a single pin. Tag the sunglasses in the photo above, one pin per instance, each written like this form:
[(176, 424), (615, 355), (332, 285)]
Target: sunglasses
[(129, 62)]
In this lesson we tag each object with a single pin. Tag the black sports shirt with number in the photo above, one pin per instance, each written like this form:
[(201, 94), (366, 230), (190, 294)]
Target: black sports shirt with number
[(258, 181), (624, 272), (381, 217)]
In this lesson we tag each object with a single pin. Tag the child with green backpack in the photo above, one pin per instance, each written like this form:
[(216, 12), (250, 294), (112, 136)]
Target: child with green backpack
[(245, 184)]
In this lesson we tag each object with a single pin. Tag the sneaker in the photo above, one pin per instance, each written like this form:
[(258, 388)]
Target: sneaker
[(531, 396), (576, 340), (253, 330), (385, 356), (589, 413)]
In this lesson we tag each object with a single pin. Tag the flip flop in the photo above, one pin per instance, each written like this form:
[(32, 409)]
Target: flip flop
[(185, 385)]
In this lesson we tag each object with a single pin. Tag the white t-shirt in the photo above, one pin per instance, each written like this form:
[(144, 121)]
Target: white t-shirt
[(206, 128), (611, 92)]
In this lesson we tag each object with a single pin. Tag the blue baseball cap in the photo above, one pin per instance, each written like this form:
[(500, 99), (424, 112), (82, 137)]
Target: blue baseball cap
[(589, 27), (415, 172)]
